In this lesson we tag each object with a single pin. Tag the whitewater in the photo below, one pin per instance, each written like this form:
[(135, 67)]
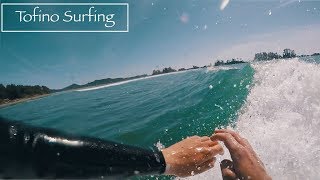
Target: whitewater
[(281, 119)]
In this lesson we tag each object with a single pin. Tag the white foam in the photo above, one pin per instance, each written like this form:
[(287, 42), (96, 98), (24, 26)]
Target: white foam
[(125, 82), (223, 67), (281, 119)]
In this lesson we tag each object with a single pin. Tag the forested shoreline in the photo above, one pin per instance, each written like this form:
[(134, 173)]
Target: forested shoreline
[(13, 92)]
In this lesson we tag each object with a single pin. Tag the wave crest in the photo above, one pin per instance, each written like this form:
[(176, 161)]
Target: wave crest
[(282, 118)]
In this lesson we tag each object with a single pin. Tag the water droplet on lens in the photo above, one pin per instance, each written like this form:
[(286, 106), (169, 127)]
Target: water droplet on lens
[(26, 138), (94, 145), (13, 131), (156, 156)]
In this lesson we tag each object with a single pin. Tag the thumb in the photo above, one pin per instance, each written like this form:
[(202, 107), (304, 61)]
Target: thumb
[(227, 170)]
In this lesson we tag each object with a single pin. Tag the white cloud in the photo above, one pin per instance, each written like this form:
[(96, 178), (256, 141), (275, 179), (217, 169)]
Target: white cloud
[(305, 40)]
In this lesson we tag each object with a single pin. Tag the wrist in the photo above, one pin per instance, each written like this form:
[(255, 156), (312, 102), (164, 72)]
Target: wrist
[(167, 158)]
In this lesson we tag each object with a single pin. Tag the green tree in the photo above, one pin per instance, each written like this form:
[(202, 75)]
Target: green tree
[(13, 91), (155, 72), (288, 53), (3, 94)]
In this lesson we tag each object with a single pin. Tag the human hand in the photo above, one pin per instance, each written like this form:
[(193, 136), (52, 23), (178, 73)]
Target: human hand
[(246, 163), (191, 156)]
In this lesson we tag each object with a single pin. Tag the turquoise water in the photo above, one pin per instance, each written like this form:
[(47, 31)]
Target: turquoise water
[(166, 108), (275, 105)]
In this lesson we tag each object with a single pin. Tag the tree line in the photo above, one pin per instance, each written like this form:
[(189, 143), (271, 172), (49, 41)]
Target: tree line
[(228, 62), (287, 53), (164, 70), (12, 91), (170, 69)]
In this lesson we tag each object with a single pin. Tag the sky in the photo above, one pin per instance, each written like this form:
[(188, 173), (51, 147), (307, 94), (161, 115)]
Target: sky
[(176, 33)]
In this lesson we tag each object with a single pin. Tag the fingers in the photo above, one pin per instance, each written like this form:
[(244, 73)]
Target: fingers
[(227, 170), (209, 143), (194, 137), (206, 141), (204, 138), (231, 143), (244, 142), (215, 150), (212, 143), (236, 136), (209, 153)]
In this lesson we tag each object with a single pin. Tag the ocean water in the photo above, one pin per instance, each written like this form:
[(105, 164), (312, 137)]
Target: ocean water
[(275, 105)]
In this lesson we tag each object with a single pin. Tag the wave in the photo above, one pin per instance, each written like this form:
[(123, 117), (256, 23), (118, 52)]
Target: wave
[(281, 119), (124, 82), (225, 67)]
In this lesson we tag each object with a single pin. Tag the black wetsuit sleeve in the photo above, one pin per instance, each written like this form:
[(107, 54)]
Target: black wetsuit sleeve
[(30, 152)]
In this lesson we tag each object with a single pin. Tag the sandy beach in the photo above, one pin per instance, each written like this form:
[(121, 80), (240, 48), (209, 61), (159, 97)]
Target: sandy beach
[(17, 101)]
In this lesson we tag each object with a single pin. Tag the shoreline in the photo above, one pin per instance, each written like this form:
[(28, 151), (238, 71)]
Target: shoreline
[(21, 100), (124, 82)]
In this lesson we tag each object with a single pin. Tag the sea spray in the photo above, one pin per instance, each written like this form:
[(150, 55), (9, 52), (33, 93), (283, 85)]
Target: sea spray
[(281, 120)]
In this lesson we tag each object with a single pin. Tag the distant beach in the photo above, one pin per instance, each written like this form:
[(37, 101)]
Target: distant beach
[(124, 82), (21, 100)]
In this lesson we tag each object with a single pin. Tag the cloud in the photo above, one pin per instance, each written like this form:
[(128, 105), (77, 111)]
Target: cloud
[(305, 40)]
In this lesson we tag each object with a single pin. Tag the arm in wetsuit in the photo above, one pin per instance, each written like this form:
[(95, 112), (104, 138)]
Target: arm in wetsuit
[(30, 152)]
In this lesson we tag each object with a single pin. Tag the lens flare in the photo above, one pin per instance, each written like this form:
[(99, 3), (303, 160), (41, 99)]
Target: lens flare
[(224, 4)]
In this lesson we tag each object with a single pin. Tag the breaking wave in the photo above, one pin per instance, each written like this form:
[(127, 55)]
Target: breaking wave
[(281, 119)]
